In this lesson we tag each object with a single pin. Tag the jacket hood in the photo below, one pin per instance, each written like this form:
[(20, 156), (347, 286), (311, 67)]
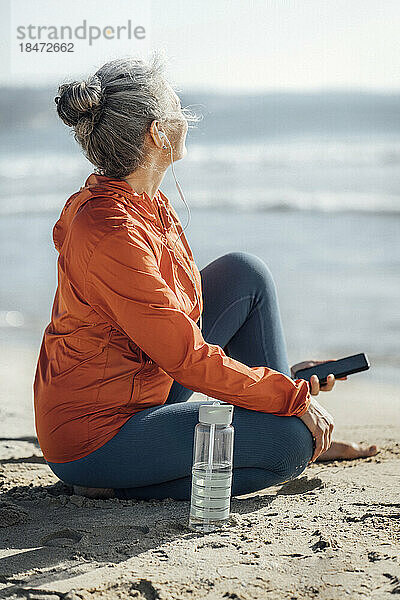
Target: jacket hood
[(100, 185)]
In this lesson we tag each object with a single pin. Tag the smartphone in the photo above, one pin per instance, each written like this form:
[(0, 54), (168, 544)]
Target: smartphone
[(340, 368)]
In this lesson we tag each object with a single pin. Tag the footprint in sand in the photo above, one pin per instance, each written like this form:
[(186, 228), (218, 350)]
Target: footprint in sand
[(62, 537)]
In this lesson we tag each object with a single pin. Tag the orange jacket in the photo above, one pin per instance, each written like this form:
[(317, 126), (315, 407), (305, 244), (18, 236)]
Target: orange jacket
[(123, 326)]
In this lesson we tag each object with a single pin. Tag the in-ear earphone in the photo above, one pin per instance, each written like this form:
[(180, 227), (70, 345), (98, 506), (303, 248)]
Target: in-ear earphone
[(162, 135)]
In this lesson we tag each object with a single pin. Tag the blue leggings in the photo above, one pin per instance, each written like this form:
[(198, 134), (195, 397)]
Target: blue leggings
[(151, 455)]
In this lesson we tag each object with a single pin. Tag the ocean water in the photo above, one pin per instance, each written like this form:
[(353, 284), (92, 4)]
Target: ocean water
[(317, 198), (359, 174)]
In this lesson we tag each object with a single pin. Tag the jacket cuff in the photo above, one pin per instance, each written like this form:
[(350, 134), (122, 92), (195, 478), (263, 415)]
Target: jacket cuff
[(303, 407)]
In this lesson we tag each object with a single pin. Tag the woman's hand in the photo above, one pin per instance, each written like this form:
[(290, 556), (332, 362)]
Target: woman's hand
[(321, 425), (315, 386)]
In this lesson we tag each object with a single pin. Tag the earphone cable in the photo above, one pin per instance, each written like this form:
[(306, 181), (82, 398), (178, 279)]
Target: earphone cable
[(180, 192)]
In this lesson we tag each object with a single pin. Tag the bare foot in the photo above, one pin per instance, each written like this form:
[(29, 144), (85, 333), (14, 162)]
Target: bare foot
[(347, 451), (94, 492)]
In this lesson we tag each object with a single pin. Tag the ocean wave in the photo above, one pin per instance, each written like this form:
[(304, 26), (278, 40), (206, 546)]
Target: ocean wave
[(291, 199), (311, 152), (241, 200), (301, 174), (40, 165), (300, 153)]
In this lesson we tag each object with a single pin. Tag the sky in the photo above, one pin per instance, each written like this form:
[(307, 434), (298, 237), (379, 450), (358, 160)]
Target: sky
[(217, 45)]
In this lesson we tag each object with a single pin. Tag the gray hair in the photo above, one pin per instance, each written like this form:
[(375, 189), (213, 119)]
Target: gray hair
[(112, 110)]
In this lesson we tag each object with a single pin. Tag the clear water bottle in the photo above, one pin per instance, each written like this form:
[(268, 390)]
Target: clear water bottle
[(212, 468)]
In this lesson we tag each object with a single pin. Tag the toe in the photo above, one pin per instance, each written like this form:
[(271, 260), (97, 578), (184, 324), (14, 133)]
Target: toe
[(365, 451), (373, 449)]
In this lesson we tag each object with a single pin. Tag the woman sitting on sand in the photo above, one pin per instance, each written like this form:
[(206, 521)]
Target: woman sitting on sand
[(130, 339)]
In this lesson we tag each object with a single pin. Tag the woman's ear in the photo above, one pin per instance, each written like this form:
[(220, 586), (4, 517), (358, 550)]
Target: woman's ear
[(155, 135)]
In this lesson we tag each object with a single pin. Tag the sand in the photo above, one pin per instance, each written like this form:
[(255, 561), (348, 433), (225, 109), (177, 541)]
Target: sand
[(332, 533)]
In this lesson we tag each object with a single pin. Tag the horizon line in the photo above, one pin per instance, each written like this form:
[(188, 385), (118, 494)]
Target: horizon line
[(237, 91)]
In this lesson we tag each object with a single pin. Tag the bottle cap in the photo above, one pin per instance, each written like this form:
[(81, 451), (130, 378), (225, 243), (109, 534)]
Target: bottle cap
[(216, 414)]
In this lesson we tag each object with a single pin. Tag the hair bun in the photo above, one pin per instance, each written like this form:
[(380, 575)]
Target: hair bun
[(79, 103)]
